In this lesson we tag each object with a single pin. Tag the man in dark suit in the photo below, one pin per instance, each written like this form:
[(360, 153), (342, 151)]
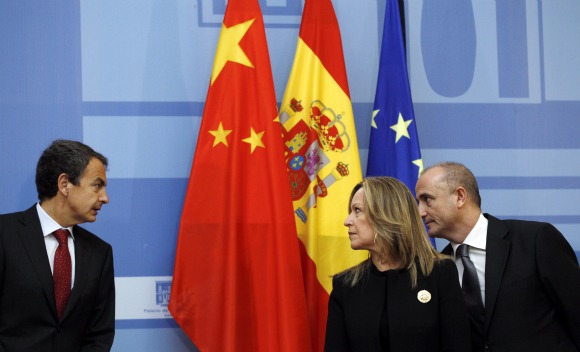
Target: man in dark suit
[(529, 278), (58, 295)]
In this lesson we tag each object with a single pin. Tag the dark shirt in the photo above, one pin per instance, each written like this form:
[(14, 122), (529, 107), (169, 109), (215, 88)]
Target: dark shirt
[(384, 327)]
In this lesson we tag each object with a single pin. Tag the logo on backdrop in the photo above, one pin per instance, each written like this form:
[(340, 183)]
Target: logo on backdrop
[(281, 14), (162, 292)]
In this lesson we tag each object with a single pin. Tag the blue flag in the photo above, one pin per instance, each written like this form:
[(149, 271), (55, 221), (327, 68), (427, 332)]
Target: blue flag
[(394, 144)]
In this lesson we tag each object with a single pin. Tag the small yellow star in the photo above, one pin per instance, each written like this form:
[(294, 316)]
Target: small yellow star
[(401, 128), (373, 123), (220, 135), (229, 49), (419, 162), (255, 140)]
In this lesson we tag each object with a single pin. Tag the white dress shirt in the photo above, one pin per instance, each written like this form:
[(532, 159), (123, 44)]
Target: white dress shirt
[(48, 227), (476, 240)]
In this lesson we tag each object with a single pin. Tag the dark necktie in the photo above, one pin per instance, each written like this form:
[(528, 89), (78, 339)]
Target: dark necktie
[(470, 286), (62, 271)]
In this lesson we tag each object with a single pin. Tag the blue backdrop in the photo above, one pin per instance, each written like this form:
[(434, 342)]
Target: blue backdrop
[(494, 85)]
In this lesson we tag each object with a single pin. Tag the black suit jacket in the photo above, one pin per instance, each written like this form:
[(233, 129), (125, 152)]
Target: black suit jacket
[(28, 318), (532, 289), (442, 324)]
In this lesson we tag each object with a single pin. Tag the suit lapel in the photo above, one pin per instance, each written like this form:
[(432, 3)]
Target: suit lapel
[(82, 258), (31, 236), (497, 251), (448, 250)]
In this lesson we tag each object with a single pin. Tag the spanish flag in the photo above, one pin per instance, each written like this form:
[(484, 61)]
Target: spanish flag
[(322, 157), (237, 281)]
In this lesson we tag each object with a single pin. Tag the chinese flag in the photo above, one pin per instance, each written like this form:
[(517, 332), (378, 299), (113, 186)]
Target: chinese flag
[(237, 282), (322, 156)]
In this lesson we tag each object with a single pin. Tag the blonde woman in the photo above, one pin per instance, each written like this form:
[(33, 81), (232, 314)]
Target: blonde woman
[(406, 295)]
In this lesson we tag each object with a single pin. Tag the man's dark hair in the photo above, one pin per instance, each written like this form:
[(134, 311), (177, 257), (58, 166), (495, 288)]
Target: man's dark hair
[(63, 156)]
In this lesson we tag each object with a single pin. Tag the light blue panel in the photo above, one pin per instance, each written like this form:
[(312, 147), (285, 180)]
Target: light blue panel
[(561, 49), (276, 2), (364, 156), (361, 30), (281, 45), (510, 162), (144, 146), (145, 50), (173, 340), (437, 46), (531, 202)]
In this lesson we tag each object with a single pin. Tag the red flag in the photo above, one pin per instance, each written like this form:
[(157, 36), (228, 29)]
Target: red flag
[(322, 156), (237, 282)]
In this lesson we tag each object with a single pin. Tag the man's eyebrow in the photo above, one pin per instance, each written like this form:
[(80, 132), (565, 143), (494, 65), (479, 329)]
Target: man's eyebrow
[(100, 180)]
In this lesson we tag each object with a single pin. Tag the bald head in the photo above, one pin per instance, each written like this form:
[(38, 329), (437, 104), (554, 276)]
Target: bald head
[(449, 201), (458, 175)]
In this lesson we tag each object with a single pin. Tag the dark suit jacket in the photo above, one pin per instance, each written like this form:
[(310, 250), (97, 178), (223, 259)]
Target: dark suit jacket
[(532, 289), (28, 318), (442, 324)]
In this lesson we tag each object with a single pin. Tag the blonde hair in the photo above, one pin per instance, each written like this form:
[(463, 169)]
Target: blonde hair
[(392, 211)]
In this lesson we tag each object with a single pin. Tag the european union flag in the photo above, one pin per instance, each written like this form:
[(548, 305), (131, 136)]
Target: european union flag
[(394, 144)]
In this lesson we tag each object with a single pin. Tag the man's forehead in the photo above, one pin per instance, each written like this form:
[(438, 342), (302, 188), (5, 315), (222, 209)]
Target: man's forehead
[(435, 175), (431, 181), (95, 169)]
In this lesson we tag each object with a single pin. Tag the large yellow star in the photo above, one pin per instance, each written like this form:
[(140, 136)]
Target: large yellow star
[(373, 123), (255, 140), (419, 162), (229, 49), (401, 128), (220, 135)]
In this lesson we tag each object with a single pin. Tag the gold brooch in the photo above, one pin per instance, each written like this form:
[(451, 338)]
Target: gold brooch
[(424, 296)]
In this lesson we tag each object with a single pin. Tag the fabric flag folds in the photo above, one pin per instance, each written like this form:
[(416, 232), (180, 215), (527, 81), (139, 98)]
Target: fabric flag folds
[(322, 156), (237, 283), (394, 144)]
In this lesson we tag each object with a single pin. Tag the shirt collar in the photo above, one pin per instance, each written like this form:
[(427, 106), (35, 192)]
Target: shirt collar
[(477, 237), (48, 224)]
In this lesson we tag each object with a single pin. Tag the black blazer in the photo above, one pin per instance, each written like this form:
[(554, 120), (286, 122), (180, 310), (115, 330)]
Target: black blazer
[(441, 324), (28, 318), (532, 289)]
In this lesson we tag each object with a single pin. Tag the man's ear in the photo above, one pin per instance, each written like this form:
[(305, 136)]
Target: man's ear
[(63, 184), (461, 195)]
